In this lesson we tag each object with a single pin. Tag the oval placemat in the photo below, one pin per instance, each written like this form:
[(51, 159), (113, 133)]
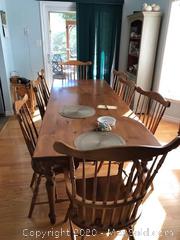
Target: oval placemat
[(95, 140), (77, 111)]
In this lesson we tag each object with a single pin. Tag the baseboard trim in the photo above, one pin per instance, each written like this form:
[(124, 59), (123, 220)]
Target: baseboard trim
[(9, 113), (171, 119)]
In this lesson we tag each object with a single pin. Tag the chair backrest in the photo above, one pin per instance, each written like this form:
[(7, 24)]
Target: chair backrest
[(111, 197), (116, 75), (124, 87), (149, 107), (41, 100), (27, 125), (74, 69), (45, 88)]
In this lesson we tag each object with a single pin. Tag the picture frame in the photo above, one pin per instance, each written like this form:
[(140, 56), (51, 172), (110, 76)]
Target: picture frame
[(3, 17), (4, 22)]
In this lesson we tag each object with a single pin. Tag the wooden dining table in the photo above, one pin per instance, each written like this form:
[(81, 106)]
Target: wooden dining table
[(55, 127)]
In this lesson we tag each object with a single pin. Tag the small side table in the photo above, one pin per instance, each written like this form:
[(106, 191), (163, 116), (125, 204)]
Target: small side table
[(19, 90)]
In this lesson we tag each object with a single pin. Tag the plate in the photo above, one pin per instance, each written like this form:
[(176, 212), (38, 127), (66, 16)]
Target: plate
[(108, 119), (77, 111), (95, 140)]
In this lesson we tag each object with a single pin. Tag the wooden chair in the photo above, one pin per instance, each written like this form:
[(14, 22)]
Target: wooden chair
[(41, 97), (124, 87), (74, 69), (41, 74), (110, 200), (149, 107), (116, 75), (30, 135)]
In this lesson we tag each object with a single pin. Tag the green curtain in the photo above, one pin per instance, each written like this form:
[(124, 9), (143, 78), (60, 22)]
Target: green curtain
[(98, 37)]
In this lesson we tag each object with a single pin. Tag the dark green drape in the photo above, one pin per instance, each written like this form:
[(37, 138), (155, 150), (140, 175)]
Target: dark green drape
[(98, 37)]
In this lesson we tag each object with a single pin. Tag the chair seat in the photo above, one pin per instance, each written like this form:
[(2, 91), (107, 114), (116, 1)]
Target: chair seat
[(100, 193), (112, 200), (77, 211)]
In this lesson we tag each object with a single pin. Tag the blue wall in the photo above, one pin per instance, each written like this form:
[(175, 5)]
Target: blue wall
[(21, 50), (6, 63), (25, 30)]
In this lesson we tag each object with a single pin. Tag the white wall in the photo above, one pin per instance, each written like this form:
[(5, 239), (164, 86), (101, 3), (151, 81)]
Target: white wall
[(25, 29), (129, 6), (6, 63), (173, 113), (165, 9)]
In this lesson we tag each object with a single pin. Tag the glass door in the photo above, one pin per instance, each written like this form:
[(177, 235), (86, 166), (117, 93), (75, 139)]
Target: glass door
[(58, 20), (62, 40)]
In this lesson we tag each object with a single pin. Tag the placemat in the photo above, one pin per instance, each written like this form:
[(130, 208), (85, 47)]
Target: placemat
[(95, 140), (77, 111)]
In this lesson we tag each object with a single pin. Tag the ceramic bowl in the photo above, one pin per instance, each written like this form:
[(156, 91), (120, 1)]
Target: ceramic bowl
[(156, 8), (148, 8), (107, 119)]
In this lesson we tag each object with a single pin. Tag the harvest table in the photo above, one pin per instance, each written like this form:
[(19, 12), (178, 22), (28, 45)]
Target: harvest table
[(97, 94)]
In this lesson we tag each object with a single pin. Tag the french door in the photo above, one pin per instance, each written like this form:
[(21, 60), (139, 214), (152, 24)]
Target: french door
[(58, 20)]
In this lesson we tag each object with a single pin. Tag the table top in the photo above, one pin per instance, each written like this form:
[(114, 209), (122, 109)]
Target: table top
[(91, 93)]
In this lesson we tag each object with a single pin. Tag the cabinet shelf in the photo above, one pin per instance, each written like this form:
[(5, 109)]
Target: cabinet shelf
[(133, 55), (135, 39), (143, 34), (132, 73)]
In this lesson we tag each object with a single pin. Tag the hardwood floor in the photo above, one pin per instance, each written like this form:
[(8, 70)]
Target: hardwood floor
[(161, 212), (3, 120)]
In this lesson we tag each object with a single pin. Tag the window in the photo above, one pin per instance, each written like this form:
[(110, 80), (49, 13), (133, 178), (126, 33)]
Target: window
[(170, 75)]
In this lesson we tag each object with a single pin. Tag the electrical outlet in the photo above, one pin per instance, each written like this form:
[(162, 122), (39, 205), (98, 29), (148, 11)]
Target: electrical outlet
[(26, 31)]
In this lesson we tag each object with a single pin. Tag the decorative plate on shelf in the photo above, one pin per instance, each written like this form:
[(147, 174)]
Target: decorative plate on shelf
[(77, 111), (95, 140)]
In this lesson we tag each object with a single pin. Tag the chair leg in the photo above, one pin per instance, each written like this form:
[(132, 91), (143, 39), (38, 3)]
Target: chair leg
[(67, 216), (130, 233), (73, 236), (56, 196), (34, 177), (149, 192), (35, 193)]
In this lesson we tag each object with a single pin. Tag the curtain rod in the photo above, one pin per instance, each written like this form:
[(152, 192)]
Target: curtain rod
[(110, 2)]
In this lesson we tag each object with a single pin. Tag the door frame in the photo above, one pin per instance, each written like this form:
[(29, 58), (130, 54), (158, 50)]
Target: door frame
[(45, 8)]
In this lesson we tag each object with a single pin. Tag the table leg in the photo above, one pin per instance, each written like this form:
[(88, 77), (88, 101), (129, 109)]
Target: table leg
[(50, 187)]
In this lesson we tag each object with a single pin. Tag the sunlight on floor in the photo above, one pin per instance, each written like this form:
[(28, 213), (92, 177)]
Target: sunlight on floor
[(171, 183), (173, 160), (153, 215), (145, 227)]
